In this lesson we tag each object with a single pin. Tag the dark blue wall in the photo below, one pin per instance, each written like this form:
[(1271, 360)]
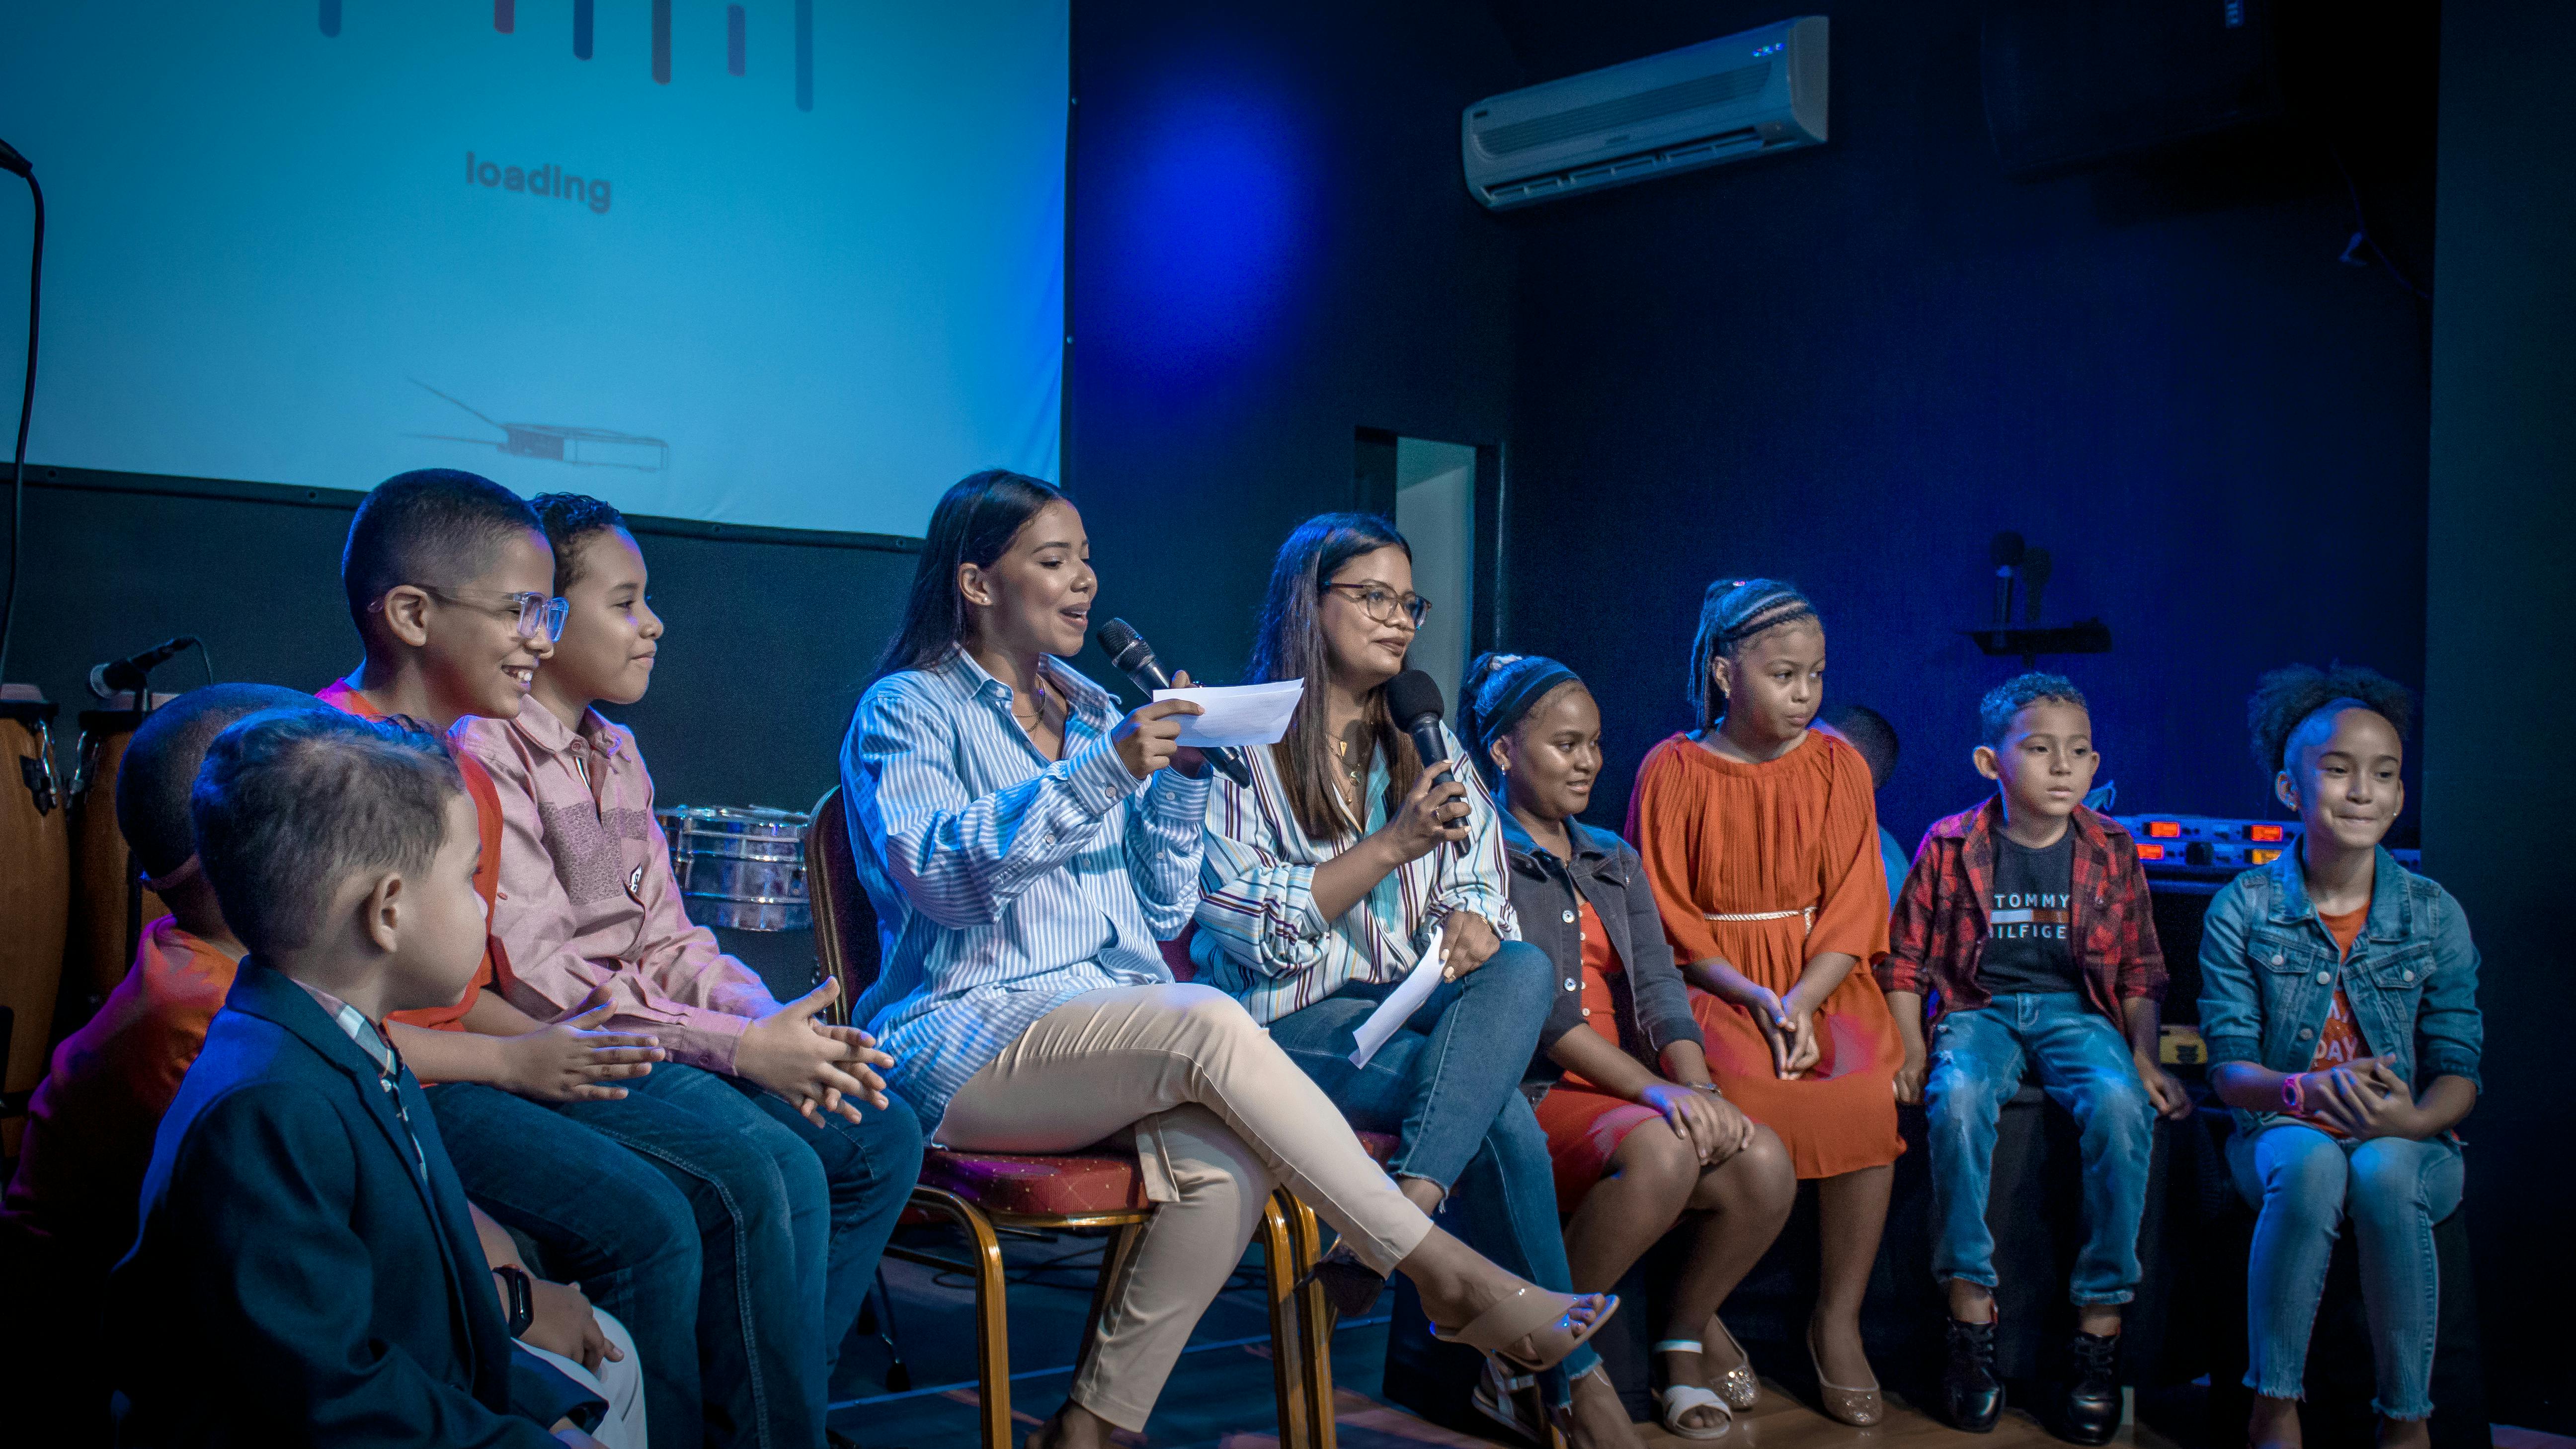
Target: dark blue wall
[(2503, 528), (1271, 247), (1850, 366)]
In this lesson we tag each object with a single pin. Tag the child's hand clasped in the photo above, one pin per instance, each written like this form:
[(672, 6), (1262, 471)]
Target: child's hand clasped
[(2362, 1099), (1712, 1125), (570, 1062), (810, 1064)]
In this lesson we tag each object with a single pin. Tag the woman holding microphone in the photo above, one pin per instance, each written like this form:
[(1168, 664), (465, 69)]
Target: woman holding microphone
[(1327, 881), (1025, 848)]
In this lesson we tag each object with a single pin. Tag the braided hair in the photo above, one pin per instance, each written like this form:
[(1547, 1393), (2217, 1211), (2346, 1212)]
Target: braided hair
[(1499, 692), (1732, 614), (2285, 700)]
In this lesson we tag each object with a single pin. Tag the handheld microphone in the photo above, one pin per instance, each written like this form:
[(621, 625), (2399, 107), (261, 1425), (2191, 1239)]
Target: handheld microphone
[(2006, 553), (118, 676), (1413, 697), (1128, 650)]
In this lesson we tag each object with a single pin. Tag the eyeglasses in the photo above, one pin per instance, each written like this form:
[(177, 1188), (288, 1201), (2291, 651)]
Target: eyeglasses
[(1385, 605), (540, 616)]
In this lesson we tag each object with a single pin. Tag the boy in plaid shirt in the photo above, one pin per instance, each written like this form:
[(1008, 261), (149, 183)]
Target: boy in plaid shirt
[(2026, 921)]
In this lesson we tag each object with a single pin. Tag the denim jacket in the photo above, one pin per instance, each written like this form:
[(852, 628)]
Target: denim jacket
[(1654, 1008), (2268, 971)]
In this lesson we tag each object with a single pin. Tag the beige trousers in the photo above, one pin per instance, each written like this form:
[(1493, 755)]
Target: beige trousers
[(1221, 1118)]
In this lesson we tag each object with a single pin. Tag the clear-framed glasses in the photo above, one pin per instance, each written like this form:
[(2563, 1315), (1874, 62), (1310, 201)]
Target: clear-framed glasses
[(1385, 605), (540, 616)]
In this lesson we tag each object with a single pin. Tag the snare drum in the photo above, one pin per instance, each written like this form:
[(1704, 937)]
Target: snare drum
[(739, 867)]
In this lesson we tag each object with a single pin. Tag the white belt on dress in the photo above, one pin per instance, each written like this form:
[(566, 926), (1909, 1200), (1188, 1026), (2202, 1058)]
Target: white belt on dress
[(1807, 911)]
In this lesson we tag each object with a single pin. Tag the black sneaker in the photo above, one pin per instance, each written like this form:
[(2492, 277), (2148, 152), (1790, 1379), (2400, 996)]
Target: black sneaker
[(1969, 1388), (2093, 1398)]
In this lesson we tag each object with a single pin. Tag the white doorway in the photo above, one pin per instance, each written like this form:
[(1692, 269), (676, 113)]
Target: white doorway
[(1435, 510)]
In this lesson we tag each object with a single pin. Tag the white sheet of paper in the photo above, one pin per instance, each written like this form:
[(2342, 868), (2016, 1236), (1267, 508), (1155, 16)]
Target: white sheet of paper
[(1237, 714), (1406, 999)]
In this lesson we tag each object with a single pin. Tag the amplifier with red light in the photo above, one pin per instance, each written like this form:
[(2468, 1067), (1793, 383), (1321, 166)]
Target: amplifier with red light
[(2183, 849)]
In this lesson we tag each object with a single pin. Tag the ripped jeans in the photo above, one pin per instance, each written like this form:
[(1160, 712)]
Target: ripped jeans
[(2084, 1063)]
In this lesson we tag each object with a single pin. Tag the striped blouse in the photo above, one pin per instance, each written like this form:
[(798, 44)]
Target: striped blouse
[(1005, 883), (1260, 935)]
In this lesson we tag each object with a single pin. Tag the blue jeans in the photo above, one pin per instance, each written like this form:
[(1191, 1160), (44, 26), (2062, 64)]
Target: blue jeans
[(1449, 1083), (2306, 1183), (2084, 1063), (784, 1222), (796, 1217), (603, 1217)]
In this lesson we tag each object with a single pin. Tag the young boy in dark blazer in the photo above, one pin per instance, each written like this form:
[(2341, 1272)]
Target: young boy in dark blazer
[(302, 1230)]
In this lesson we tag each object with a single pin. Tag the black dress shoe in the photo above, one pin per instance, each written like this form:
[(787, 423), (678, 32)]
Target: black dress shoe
[(1969, 1388), (2093, 1397)]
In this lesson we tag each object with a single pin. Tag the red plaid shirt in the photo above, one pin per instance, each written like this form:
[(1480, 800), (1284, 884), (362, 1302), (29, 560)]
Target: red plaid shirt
[(1940, 925)]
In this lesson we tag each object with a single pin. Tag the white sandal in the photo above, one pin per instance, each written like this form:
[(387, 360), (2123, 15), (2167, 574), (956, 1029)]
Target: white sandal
[(1675, 1400)]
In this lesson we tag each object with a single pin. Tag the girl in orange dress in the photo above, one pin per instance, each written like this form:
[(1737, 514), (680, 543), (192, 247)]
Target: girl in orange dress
[(1760, 838)]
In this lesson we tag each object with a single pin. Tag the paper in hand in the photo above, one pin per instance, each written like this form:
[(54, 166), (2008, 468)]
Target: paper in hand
[(1400, 1004), (1237, 714)]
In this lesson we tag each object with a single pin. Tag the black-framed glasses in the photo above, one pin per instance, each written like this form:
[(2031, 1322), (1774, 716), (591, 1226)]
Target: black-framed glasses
[(540, 616), (1385, 605)]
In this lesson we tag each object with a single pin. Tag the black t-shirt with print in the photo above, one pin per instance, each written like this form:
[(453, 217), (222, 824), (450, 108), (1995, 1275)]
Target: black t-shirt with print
[(2027, 946)]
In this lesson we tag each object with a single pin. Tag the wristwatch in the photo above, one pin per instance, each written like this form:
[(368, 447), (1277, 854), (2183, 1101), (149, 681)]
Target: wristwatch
[(523, 1297), (2294, 1094)]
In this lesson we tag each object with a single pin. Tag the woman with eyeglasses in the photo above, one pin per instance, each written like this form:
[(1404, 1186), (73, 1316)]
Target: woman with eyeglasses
[(1325, 882), (1025, 847)]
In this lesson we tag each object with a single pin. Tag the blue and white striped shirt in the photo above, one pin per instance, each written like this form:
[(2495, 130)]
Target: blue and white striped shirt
[(1005, 883)]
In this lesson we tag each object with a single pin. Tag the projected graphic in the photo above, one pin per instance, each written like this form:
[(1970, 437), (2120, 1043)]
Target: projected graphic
[(582, 447), (505, 19), (665, 276)]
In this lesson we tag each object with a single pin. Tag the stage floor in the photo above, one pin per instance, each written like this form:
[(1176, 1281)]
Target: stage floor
[(1220, 1395)]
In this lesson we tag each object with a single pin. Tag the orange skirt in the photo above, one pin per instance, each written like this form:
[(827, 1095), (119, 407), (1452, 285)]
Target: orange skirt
[(1839, 1115), (1584, 1129)]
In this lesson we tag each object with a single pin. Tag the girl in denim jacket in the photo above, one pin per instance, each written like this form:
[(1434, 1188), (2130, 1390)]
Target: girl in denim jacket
[(2339, 997)]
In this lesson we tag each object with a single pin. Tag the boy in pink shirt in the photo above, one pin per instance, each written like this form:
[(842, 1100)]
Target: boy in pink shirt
[(587, 900)]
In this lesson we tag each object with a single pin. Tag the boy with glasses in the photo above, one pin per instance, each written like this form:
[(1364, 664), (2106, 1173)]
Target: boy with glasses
[(451, 585)]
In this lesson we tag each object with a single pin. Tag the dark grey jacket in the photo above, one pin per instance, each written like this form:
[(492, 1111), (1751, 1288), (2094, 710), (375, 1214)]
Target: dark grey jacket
[(1547, 895)]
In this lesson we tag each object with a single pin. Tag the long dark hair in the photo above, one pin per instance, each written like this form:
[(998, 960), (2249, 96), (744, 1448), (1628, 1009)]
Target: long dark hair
[(1289, 644), (973, 524)]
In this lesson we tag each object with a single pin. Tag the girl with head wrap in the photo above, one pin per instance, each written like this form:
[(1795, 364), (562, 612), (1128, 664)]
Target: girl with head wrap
[(1642, 1142)]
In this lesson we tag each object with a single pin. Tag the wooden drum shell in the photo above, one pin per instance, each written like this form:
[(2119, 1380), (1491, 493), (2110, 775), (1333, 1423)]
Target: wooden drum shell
[(35, 897)]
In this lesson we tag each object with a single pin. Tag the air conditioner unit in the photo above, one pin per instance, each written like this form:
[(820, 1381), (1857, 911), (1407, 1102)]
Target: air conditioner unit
[(1721, 100)]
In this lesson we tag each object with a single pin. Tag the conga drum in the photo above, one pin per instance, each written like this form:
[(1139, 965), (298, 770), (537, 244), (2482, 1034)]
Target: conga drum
[(35, 898), (109, 906)]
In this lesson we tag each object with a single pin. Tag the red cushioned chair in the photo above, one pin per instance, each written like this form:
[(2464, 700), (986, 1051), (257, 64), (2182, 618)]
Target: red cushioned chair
[(980, 1191)]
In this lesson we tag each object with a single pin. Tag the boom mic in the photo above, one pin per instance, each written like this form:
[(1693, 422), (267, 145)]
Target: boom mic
[(1128, 650), (117, 676)]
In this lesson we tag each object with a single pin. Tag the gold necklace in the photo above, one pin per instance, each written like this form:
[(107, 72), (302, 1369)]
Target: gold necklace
[(1040, 691)]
